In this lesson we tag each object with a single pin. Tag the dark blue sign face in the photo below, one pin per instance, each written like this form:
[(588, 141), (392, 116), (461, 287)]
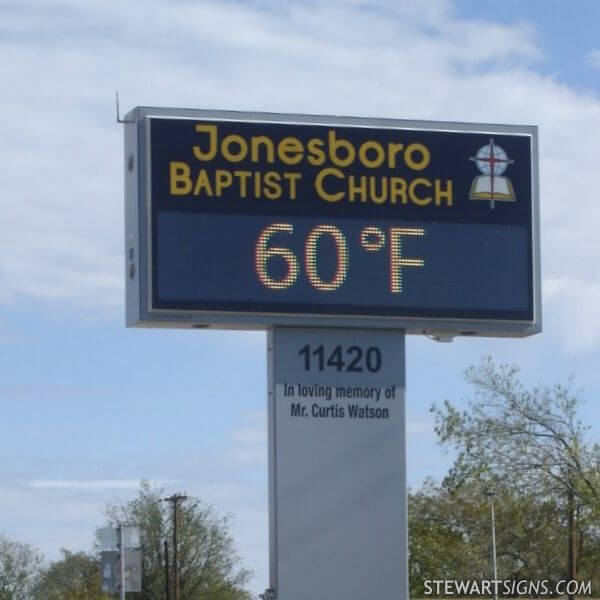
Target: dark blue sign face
[(277, 218)]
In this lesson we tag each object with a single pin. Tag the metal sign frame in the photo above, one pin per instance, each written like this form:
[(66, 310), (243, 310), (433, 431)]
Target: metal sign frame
[(138, 243)]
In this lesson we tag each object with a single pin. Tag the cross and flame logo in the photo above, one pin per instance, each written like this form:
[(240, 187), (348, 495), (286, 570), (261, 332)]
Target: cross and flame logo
[(491, 185)]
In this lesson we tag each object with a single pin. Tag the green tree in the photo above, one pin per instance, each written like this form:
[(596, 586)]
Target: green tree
[(450, 535), (444, 540), (207, 557), (74, 577), (530, 439), (19, 566)]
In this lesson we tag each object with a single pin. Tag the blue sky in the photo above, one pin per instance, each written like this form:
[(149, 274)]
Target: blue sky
[(88, 407)]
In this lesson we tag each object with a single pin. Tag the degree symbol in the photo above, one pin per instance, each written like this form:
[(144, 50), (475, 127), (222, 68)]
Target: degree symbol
[(372, 239)]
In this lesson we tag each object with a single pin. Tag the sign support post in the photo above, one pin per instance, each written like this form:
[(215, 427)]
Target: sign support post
[(337, 464)]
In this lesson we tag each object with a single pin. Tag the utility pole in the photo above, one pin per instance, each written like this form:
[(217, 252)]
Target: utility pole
[(175, 500), (167, 579)]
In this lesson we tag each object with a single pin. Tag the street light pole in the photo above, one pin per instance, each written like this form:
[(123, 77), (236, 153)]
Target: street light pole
[(494, 545), (122, 562)]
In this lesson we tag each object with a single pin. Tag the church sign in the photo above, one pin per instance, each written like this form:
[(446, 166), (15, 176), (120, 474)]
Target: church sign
[(251, 220)]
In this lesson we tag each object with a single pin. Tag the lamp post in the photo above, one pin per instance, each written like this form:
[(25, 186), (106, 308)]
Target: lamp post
[(490, 495), (121, 562)]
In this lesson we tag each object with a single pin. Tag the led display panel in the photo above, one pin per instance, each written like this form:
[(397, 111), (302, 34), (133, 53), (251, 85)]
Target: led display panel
[(250, 220)]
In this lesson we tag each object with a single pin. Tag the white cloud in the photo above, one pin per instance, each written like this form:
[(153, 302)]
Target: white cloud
[(581, 331), (593, 58), (61, 231), (93, 484), (418, 427), (39, 519), (248, 447)]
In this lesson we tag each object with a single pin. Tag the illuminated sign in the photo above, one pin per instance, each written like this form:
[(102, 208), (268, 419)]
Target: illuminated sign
[(247, 220)]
